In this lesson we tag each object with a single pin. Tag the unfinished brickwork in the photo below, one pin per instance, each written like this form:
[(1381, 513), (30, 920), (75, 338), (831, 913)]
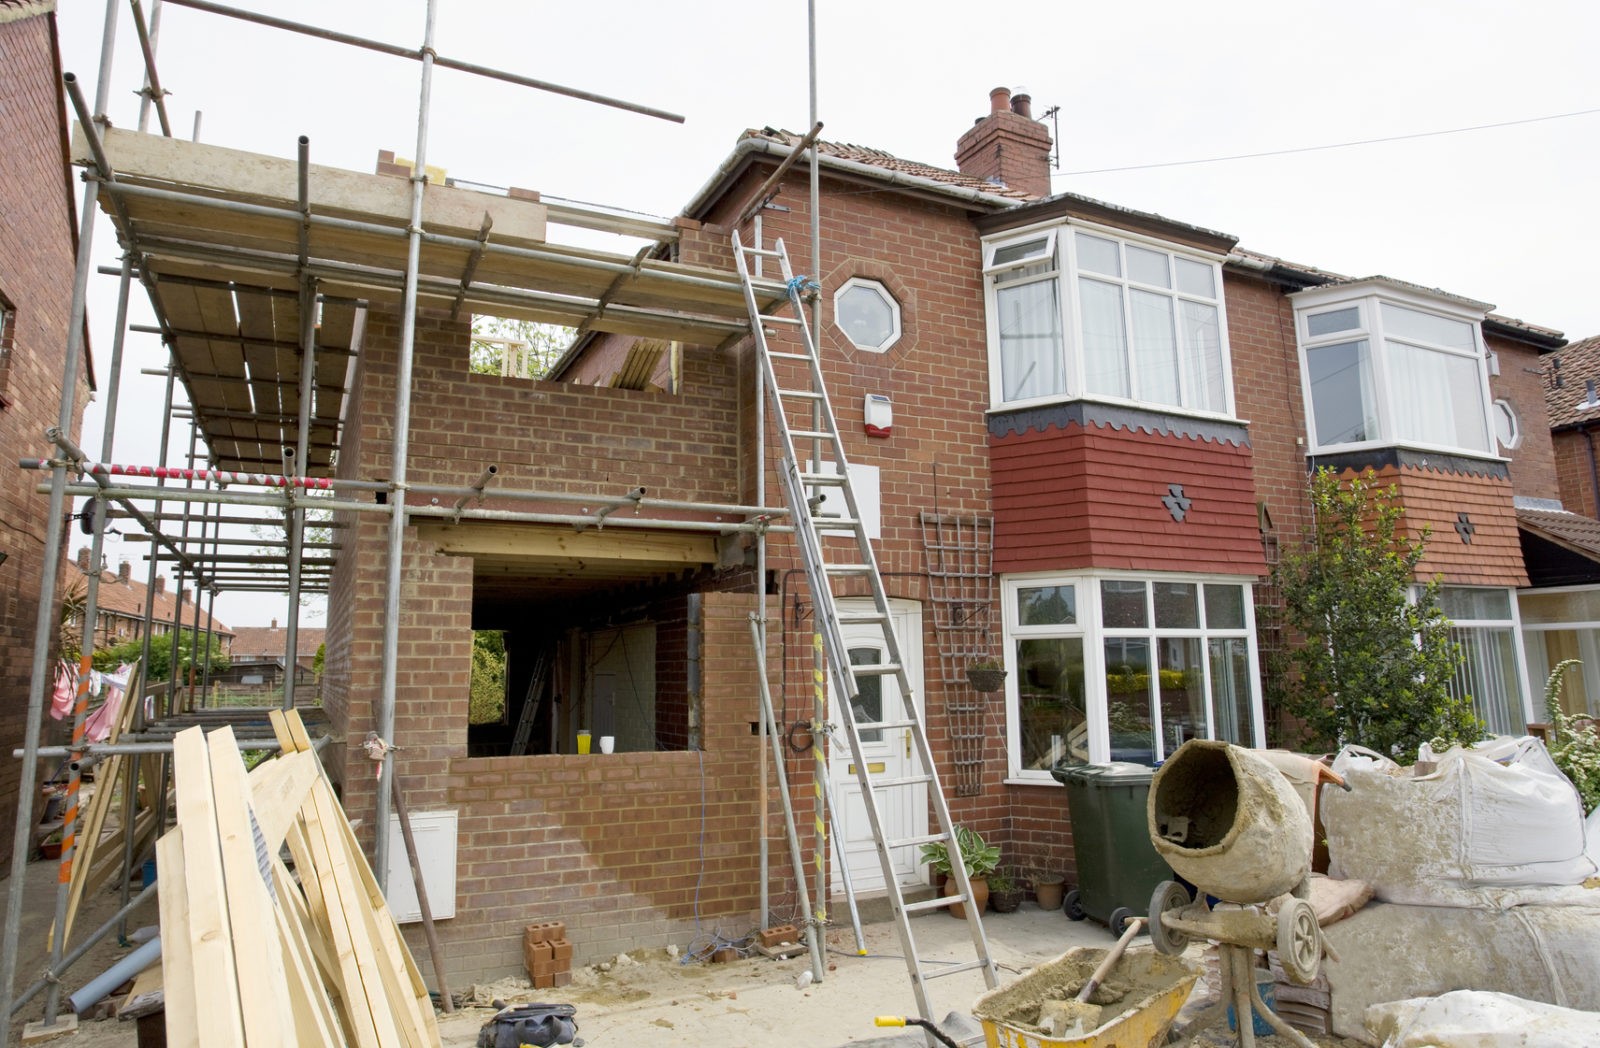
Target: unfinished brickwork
[(37, 237)]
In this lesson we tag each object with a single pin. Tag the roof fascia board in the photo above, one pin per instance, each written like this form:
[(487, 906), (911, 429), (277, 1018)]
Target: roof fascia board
[(1069, 207)]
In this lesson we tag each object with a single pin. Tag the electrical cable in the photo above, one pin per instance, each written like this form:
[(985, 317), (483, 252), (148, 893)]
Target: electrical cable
[(1331, 145)]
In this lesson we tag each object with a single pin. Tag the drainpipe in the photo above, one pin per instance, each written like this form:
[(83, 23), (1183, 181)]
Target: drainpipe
[(1594, 470)]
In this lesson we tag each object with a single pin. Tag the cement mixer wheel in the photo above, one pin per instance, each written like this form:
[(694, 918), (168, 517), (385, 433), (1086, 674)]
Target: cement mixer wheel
[(1169, 896), (1299, 941)]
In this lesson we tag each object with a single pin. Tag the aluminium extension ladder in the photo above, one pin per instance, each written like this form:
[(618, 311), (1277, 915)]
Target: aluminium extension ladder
[(826, 564)]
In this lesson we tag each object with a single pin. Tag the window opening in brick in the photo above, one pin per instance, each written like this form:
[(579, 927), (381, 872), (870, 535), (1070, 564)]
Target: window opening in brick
[(8, 336), (508, 348), (574, 663)]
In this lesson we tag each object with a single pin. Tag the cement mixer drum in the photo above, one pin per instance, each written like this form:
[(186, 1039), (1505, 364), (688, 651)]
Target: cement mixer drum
[(1227, 821)]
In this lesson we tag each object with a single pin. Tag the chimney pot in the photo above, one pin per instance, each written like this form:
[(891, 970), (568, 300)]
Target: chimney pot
[(1000, 100), (1022, 105)]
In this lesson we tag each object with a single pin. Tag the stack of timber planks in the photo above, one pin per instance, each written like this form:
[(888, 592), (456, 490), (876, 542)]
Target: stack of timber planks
[(253, 954)]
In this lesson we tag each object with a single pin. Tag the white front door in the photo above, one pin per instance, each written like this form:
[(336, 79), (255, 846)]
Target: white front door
[(887, 754)]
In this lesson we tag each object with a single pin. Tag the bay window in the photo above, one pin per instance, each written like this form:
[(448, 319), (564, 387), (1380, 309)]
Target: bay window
[(1385, 366), (1483, 623), (1125, 668), (1090, 313)]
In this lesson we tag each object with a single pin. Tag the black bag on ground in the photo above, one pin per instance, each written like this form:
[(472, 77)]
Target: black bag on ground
[(537, 1024)]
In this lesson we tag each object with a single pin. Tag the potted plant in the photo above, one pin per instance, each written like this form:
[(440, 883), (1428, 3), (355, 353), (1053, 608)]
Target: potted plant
[(986, 675), (1005, 894), (978, 858), (1049, 888), (50, 847)]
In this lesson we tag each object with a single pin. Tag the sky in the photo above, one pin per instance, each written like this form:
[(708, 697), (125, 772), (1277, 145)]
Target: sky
[(1501, 214)]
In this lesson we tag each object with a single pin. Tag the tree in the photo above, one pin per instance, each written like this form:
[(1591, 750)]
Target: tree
[(516, 348), (161, 655), (488, 701), (1376, 664)]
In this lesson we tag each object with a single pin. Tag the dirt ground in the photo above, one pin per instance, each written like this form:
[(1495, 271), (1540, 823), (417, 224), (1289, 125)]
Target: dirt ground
[(652, 999)]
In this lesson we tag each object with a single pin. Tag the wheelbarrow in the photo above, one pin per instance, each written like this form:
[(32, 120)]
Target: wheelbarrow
[(1158, 986)]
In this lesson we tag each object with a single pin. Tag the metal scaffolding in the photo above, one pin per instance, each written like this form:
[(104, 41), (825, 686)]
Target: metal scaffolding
[(297, 265)]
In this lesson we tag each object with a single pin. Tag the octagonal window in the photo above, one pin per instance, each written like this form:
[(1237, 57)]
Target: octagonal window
[(1507, 427), (867, 314)]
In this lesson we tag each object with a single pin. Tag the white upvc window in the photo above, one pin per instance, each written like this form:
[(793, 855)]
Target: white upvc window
[(1078, 311), (1107, 667), (1483, 621), (1382, 367)]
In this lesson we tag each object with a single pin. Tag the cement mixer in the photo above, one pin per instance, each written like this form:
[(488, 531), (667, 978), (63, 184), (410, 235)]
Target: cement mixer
[(1228, 821)]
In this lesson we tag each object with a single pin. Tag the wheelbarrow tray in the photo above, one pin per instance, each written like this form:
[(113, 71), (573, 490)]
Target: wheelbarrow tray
[(1160, 984)]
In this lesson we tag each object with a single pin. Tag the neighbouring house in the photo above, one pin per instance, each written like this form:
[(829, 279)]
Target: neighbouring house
[(1102, 424), (1561, 538), (259, 656), (120, 610), (38, 250)]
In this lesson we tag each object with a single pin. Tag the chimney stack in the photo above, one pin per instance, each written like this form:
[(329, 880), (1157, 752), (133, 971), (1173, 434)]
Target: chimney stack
[(1008, 146), (161, 585), (124, 572), (274, 623), (83, 559)]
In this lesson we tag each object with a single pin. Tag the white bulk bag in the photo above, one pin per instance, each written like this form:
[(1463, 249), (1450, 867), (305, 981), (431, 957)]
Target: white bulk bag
[(1460, 835)]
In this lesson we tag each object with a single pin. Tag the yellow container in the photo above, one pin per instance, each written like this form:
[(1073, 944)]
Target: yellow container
[(1141, 1020)]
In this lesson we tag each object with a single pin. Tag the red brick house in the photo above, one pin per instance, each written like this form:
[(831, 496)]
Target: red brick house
[(1561, 538), (38, 238), (120, 609), (1122, 407)]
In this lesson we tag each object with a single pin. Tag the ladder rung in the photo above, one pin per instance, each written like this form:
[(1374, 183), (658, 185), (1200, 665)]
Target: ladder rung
[(952, 969), (906, 842), (810, 434), (875, 669), (938, 902), (904, 780), (776, 355), (799, 394), (890, 725), (835, 523), (762, 251), (854, 617), (831, 480), (847, 569), (774, 319)]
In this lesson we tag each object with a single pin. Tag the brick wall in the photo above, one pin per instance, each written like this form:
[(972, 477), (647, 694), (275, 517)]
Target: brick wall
[(1575, 470), (36, 274), (1521, 383)]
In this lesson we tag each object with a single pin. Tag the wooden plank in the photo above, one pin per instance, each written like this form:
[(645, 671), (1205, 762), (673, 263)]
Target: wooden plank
[(402, 978), (560, 542), (177, 958), (218, 1021), (274, 180), (364, 1008), (257, 950), (278, 788)]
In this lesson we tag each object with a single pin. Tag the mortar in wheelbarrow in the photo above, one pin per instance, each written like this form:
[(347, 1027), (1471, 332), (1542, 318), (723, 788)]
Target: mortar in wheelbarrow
[(1228, 822), (1140, 998)]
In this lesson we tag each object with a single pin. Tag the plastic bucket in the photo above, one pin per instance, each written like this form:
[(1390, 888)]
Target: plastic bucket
[(1267, 986)]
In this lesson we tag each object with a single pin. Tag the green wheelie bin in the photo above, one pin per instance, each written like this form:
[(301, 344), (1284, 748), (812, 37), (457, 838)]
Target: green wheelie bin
[(1118, 867)]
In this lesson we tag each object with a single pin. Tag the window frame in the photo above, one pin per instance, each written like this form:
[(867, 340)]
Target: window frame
[(1370, 298), (1090, 628), (1501, 406), (1512, 625), (896, 328), (1061, 251)]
